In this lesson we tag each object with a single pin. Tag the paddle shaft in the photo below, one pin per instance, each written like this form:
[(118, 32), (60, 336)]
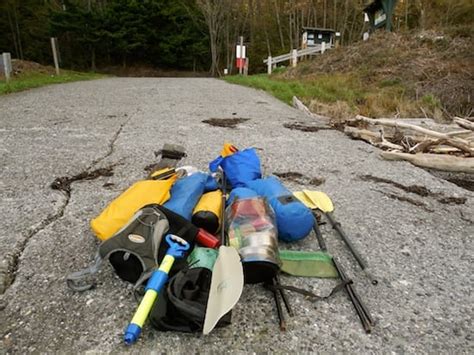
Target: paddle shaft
[(337, 226), (319, 236), (360, 308), (284, 297), (223, 187), (357, 297), (281, 316)]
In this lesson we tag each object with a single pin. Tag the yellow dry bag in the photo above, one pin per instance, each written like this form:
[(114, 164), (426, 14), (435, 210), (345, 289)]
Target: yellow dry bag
[(206, 214), (120, 210)]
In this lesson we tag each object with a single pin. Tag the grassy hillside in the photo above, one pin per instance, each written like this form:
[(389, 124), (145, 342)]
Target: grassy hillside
[(27, 75), (409, 75)]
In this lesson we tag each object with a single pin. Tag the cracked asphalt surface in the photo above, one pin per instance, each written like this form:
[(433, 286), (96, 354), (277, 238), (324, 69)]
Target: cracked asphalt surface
[(418, 247)]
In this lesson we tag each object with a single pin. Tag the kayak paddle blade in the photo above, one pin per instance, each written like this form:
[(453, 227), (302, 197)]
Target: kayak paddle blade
[(227, 284), (320, 200), (300, 195)]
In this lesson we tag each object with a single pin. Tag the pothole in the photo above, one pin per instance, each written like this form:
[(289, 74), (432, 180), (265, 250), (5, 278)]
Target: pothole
[(453, 200), (300, 178), (225, 122), (464, 183), (304, 127), (407, 199), (415, 189)]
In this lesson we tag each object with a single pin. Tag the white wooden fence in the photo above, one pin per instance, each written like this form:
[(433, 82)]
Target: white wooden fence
[(294, 55)]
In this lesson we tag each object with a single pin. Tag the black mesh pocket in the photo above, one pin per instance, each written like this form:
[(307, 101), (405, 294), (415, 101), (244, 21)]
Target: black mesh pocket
[(126, 265)]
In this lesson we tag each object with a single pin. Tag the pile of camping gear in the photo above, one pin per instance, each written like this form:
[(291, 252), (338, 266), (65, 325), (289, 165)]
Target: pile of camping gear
[(161, 235)]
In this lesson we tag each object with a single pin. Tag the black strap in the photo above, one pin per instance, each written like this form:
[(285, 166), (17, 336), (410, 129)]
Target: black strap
[(164, 175), (306, 292)]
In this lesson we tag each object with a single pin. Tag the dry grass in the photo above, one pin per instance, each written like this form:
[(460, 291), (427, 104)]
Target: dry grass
[(423, 74)]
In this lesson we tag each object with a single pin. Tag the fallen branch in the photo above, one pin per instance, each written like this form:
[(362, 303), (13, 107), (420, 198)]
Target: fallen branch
[(444, 150), (434, 161), (386, 144), (298, 104), (459, 133), (363, 134), (462, 147), (426, 145)]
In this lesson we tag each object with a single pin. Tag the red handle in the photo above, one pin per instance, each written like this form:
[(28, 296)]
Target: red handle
[(207, 240)]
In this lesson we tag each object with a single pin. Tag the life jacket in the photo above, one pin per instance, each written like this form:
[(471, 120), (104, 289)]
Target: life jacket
[(155, 190), (135, 250)]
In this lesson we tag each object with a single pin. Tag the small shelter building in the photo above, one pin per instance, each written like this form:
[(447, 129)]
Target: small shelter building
[(312, 36), (380, 13)]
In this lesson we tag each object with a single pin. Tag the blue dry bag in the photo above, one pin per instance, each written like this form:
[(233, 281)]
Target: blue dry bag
[(240, 192), (186, 193), (294, 220), (241, 167)]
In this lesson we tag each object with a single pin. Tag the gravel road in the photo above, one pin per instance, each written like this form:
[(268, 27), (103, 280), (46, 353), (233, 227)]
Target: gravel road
[(418, 241)]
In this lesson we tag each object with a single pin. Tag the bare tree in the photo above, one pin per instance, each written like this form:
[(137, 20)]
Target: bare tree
[(214, 14)]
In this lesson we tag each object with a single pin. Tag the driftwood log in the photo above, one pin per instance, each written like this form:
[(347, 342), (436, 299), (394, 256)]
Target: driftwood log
[(464, 123), (418, 129), (434, 161), (422, 144)]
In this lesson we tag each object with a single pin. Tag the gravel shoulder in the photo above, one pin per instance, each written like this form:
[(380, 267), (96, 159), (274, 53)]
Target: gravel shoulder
[(419, 247)]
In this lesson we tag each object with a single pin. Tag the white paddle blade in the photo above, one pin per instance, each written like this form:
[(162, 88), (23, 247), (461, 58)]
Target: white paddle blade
[(227, 284)]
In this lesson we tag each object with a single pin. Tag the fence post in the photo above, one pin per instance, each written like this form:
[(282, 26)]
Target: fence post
[(55, 54), (246, 67), (323, 47), (269, 65), (7, 65), (294, 57)]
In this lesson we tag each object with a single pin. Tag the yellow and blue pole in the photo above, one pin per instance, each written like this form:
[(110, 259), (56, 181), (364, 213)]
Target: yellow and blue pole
[(158, 279)]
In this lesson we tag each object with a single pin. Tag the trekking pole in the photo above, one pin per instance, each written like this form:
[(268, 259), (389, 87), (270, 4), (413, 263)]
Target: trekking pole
[(283, 296), (360, 308), (281, 316), (176, 250), (363, 265)]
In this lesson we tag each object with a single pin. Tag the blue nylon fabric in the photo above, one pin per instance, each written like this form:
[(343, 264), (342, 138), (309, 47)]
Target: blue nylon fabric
[(186, 193), (241, 167), (240, 192), (294, 220), (211, 184)]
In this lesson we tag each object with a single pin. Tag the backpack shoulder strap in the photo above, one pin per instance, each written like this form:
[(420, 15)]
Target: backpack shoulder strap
[(77, 281)]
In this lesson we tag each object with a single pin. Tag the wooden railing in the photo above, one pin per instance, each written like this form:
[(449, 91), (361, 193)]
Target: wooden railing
[(294, 55)]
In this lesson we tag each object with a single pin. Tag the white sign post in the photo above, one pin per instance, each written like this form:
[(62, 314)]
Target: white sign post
[(7, 65), (240, 55)]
